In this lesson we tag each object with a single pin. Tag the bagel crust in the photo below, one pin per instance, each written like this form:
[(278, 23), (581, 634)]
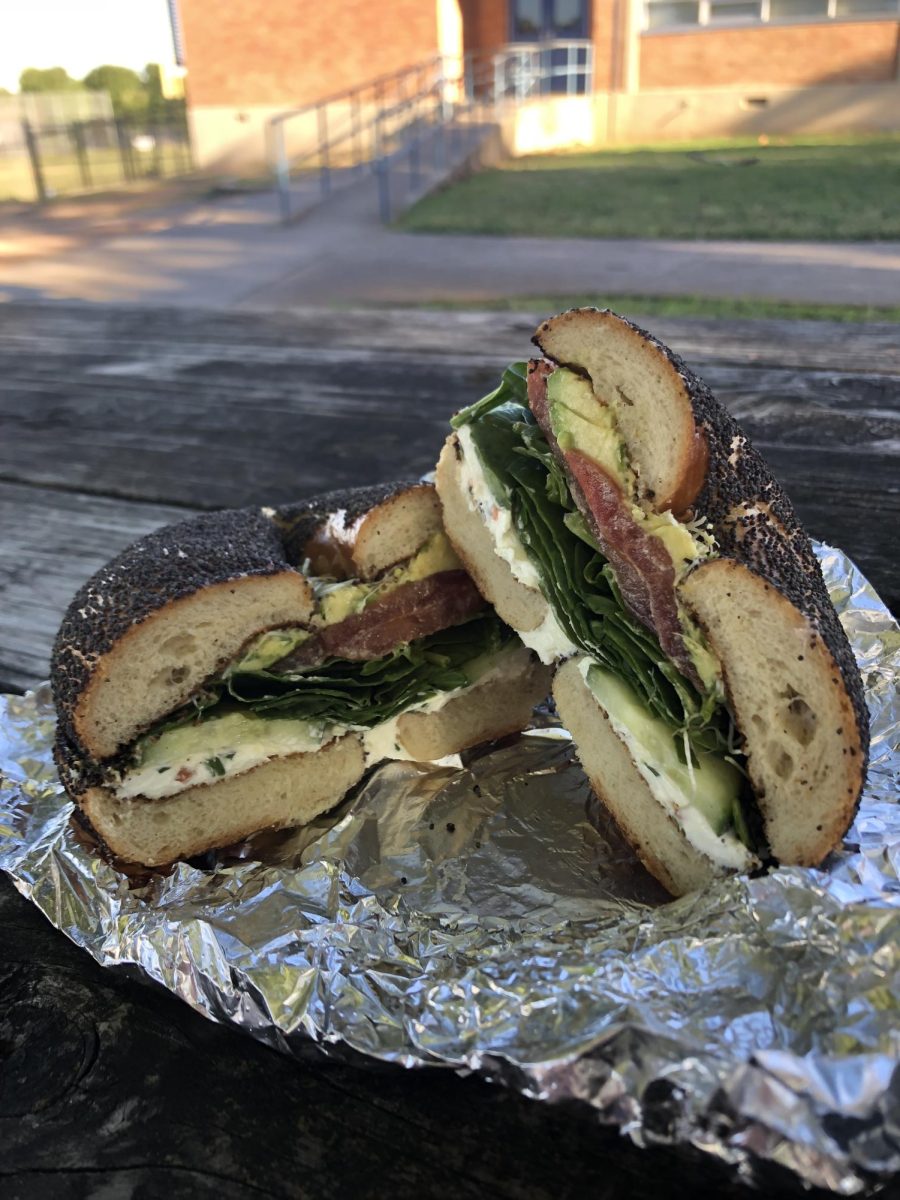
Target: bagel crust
[(165, 614), (762, 599), (144, 633), (789, 674)]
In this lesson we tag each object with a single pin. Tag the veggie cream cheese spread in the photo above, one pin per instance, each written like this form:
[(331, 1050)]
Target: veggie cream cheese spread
[(549, 640), (230, 745)]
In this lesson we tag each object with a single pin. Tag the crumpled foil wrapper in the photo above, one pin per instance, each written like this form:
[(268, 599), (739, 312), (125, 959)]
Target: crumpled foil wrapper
[(479, 914)]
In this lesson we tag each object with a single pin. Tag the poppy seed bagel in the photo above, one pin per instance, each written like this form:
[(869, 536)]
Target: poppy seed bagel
[(790, 675), (707, 554), (148, 628)]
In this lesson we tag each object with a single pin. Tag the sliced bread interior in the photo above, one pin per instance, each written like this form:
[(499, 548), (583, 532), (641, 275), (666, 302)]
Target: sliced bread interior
[(500, 704), (805, 754), (363, 541), (279, 793), (652, 833), (157, 663), (632, 373), (523, 608)]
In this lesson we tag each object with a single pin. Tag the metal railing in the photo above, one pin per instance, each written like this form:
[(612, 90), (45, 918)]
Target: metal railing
[(87, 155), (336, 138), (427, 111), (524, 72)]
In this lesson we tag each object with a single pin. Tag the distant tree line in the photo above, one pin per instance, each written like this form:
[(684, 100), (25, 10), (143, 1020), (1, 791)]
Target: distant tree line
[(132, 94)]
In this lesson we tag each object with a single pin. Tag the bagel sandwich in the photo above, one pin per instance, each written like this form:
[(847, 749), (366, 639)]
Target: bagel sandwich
[(617, 517), (242, 669)]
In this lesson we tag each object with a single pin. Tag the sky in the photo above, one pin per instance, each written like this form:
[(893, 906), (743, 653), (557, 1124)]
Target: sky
[(81, 34)]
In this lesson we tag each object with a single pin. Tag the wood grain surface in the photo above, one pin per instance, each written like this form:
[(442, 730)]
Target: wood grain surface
[(113, 419), (116, 421)]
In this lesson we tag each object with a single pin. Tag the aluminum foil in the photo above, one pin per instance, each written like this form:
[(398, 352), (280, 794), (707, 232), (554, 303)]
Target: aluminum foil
[(479, 914)]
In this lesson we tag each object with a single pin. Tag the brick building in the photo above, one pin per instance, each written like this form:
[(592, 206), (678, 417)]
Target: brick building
[(657, 68)]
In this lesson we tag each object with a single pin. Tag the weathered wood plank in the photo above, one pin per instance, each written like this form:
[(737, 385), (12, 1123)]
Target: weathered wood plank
[(229, 433), (504, 335), (51, 542), (226, 428)]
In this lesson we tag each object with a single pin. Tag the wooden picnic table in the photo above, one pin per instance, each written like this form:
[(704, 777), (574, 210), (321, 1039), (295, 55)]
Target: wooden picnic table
[(117, 420)]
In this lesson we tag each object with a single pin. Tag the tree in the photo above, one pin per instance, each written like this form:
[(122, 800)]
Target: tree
[(153, 85), (46, 79), (126, 88)]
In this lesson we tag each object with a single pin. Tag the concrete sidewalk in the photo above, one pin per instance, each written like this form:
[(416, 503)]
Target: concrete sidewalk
[(231, 252)]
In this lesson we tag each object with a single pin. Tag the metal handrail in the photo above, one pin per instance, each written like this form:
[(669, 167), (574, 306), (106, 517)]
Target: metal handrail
[(428, 95), (358, 89), (355, 128), (524, 71)]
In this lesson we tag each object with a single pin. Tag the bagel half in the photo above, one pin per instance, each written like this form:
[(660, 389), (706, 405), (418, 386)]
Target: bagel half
[(617, 516), (209, 683)]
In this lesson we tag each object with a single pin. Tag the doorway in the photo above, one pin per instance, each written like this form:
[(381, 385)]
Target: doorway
[(555, 37)]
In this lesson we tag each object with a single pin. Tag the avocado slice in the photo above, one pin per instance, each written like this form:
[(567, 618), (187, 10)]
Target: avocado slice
[(711, 785), (580, 422), (268, 648)]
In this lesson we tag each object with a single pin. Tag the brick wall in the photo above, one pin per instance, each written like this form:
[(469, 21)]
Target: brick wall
[(485, 25), (789, 55), (247, 52), (273, 52), (607, 33)]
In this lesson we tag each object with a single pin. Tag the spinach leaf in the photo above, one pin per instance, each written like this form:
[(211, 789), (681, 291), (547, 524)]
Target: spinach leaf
[(578, 582), (512, 386), (356, 693)]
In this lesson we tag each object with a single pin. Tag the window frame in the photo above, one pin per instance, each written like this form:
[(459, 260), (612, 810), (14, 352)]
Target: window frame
[(764, 18)]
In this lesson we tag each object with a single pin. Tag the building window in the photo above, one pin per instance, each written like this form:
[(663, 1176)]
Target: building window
[(569, 19), (797, 10), (527, 20), (667, 14), (548, 20), (550, 49), (661, 13), (722, 11)]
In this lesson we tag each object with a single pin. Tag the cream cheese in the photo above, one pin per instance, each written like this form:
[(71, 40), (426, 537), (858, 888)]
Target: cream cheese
[(496, 516), (383, 741), (231, 745), (674, 785), (218, 748), (549, 640)]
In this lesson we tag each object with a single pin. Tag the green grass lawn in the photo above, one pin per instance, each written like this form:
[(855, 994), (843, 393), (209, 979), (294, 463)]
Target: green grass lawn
[(813, 189)]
